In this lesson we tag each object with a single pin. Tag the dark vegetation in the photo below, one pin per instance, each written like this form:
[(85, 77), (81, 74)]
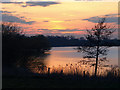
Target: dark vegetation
[(16, 45), (97, 45), (60, 80), (61, 41), (20, 79)]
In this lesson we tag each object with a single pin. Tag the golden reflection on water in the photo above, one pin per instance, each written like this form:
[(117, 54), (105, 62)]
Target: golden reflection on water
[(59, 62), (37, 66)]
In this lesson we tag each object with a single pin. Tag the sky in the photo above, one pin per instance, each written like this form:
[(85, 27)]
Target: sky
[(58, 17)]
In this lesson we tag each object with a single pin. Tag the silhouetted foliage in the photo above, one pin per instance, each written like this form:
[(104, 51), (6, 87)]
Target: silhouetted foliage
[(60, 41), (96, 38), (16, 44), (64, 41)]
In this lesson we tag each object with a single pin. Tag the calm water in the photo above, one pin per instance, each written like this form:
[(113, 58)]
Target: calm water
[(66, 55), (67, 59)]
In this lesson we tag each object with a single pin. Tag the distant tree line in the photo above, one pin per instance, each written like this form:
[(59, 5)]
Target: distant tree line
[(58, 41)]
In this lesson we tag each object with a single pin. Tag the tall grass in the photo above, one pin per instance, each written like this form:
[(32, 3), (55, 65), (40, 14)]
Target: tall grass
[(74, 69)]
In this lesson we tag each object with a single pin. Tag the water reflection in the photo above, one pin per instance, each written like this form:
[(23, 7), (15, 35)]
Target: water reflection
[(37, 65), (33, 62), (66, 60)]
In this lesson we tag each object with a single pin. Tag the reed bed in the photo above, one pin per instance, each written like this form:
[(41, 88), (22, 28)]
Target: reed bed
[(76, 69)]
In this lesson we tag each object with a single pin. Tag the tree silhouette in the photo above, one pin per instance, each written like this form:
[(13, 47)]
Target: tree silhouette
[(15, 44), (96, 38)]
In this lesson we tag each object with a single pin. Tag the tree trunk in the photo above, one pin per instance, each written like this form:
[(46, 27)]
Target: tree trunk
[(96, 60)]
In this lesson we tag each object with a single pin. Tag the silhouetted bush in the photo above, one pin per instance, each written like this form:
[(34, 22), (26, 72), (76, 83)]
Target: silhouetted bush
[(15, 43)]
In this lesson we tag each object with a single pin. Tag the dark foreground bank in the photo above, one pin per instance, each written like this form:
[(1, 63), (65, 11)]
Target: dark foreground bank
[(58, 80)]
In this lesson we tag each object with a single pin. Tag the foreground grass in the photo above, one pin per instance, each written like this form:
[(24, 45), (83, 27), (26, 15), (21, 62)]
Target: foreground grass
[(61, 81), (14, 78)]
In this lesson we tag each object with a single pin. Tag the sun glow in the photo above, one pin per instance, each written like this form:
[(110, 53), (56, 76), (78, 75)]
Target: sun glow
[(66, 15), (56, 26)]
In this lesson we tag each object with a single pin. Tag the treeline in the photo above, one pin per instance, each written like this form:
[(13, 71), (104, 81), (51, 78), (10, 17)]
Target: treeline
[(14, 40), (15, 43), (58, 41)]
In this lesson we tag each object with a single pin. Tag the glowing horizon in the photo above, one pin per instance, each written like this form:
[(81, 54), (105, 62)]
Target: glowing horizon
[(59, 18)]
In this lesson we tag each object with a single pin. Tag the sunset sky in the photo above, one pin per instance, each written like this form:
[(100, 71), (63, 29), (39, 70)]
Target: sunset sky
[(58, 18)]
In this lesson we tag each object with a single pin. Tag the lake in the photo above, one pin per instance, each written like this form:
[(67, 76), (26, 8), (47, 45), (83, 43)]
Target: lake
[(68, 60)]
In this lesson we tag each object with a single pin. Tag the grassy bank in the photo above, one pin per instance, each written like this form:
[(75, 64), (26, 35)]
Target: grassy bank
[(56, 80)]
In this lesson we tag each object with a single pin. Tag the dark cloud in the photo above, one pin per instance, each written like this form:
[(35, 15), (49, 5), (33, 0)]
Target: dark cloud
[(12, 2), (69, 30), (22, 17), (10, 18), (45, 21), (111, 15), (24, 5), (110, 18), (59, 30), (42, 29), (6, 12), (43, 4)]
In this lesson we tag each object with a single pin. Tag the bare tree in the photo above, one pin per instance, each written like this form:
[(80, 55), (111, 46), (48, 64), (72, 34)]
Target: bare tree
[(96, 38)]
